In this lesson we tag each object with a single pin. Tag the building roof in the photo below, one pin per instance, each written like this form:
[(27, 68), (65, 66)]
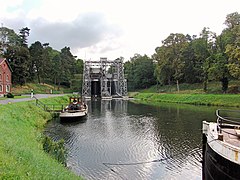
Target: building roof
[(1, 60), (4, 59)]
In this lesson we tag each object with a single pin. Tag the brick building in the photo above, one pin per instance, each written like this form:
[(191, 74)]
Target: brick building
[(5, 77)]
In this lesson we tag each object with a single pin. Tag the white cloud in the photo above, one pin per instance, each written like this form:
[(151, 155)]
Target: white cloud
[(85, 31), (113, 28)]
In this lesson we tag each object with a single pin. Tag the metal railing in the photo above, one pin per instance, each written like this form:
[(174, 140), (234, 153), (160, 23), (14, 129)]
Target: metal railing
[(49, 107), (229, 117)]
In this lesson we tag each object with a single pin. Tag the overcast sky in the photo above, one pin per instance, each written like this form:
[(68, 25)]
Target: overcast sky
[(113, 28)]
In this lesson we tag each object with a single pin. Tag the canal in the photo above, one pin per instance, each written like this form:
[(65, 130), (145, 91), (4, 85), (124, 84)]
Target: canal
[(125, 140)]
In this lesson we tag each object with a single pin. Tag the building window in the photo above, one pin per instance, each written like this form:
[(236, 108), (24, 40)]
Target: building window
[(7, 88), (0, 77), (1, 88), (7, 78)]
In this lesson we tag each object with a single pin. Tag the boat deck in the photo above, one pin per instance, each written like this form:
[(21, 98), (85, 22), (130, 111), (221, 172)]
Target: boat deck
[(231, 136)]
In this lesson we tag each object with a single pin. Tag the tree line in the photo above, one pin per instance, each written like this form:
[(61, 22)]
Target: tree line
[(190, 59), (180, 59), (39, 62)]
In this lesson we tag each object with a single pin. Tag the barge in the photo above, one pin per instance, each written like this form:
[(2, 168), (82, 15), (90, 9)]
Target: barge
[(75, 111), (221, 146)]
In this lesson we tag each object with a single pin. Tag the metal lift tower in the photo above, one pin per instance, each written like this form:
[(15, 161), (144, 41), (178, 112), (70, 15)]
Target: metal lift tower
[(104, 79)]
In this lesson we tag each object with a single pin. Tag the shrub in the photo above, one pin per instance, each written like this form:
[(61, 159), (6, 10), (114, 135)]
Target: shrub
[(55, 149), (10, 95)]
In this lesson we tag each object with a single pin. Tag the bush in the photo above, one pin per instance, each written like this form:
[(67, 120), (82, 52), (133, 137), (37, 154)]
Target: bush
[(55, 149), (10, 95)]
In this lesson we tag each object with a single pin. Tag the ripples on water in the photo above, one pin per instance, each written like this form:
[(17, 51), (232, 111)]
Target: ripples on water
[(120, 134)]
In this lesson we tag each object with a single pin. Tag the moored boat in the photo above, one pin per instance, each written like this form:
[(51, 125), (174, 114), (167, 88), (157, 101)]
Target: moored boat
[(221, 146), (75, 111)]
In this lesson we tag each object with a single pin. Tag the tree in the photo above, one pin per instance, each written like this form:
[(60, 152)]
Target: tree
[(128, 71), (232, 20), (18, 56), (79, 66), (163, 70), (67, 66), (232, 48), (8, 38), (206, 48), (218, 69), (18, 63), (193, 55), (56, 71), (140, 72), (76, 82), (47, 63), (175, 44), (233, 52), (36, 52), (23, 34)]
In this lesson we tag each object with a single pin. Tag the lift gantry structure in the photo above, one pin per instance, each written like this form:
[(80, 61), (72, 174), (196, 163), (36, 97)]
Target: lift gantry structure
[(104, 78)]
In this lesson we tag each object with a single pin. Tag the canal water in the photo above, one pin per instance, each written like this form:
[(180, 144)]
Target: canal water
[(125, 140)]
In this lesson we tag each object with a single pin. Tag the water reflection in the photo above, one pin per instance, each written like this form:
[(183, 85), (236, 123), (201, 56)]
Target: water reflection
[(119, 132)]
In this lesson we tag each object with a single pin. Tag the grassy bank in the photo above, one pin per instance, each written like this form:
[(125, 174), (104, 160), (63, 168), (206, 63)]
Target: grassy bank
[(39, 89), (228, 100), (21, 149)]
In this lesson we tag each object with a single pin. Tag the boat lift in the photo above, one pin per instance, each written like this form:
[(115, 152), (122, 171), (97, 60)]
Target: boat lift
[(104, 79)]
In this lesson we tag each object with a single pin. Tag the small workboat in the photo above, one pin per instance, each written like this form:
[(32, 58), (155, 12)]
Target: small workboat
[(75, 111), (221, 146)]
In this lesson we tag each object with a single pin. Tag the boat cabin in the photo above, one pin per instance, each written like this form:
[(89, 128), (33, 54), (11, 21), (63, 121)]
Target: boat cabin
[(76, 104)]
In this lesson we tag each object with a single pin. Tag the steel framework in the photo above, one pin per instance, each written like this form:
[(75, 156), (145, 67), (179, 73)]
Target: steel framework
[(111, 77)]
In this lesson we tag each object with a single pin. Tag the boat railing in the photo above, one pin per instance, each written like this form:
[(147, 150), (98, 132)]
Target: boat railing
[(229, 117)]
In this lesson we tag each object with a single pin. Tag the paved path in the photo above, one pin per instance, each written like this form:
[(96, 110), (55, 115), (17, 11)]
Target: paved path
[(39, 96)]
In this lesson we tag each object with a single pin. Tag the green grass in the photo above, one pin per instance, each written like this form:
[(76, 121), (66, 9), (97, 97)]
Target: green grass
[(39, 89), (132, 94), (227, 100), (21, 149), (15, 97), (193, 94)]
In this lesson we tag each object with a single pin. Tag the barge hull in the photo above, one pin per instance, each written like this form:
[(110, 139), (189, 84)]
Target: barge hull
[(218, 167)]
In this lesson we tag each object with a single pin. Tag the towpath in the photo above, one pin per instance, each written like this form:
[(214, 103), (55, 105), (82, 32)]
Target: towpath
[(39, 96)]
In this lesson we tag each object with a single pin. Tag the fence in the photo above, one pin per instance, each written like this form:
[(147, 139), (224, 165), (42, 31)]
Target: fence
[(54, 108)]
